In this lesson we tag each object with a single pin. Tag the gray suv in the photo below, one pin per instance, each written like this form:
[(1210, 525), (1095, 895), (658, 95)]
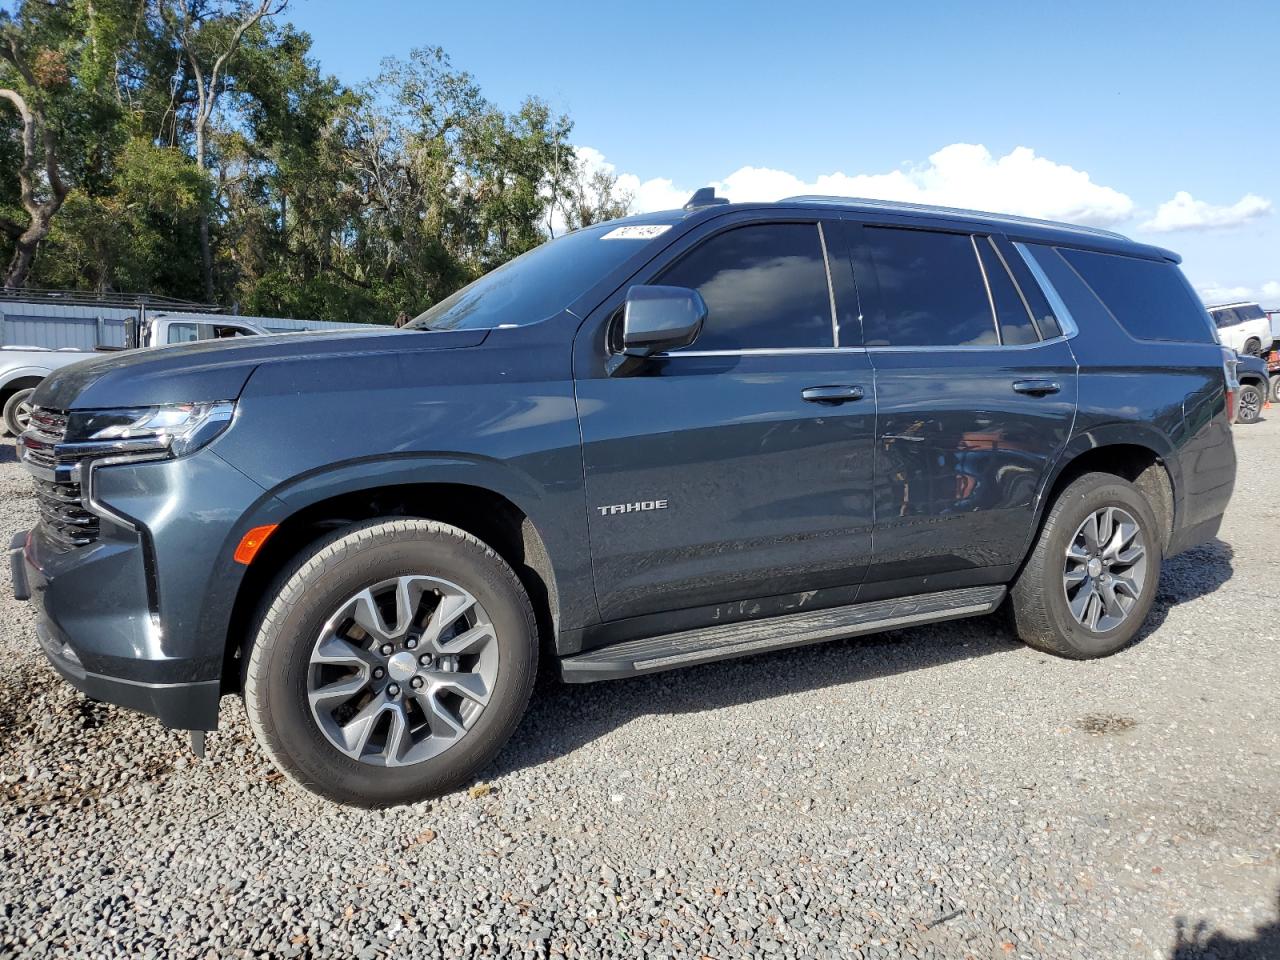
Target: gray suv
[(652, 443)]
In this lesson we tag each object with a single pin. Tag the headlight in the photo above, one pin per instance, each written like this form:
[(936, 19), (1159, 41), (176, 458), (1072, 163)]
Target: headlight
[(171, 429)]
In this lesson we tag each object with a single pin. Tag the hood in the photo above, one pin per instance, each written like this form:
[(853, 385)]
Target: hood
[(212, 370)]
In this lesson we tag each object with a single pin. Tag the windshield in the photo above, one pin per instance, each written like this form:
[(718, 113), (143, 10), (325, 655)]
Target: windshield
[(540, 283)]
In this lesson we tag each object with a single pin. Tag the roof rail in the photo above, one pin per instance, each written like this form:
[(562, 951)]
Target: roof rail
[(953, 212), (104, 299)]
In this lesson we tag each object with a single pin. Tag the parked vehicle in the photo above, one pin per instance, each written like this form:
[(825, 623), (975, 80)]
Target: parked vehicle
[(1244, 327), (21, 370), (651, 443), (58, 331), (1255, 383), (1273, 371)]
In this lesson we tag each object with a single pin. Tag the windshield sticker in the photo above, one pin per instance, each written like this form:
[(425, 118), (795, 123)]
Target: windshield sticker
[(637, 231)]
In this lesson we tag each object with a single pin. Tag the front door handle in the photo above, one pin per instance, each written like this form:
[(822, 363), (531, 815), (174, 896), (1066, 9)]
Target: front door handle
[(841, 393), (1037, 388)]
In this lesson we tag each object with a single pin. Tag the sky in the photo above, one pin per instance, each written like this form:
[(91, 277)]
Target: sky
[(1158, 120)]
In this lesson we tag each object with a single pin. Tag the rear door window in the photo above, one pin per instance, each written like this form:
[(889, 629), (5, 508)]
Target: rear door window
[(1012, 314), (932, 291), (1149, 298), (1224, 318), (765, 286), (1036, 301)]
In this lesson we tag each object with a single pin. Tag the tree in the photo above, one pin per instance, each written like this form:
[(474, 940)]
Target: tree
[(42, 188), (208, 36)]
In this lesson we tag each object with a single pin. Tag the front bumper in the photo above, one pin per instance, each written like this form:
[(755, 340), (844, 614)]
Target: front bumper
[(163, 688), (139, 617)]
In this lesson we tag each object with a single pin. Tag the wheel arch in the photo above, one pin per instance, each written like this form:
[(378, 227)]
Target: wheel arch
[(1142, 456), (23, 381), (321, 505)]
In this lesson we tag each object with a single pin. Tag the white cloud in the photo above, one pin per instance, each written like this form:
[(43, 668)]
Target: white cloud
[(1267, 294), (959, 175), (1185, 212)]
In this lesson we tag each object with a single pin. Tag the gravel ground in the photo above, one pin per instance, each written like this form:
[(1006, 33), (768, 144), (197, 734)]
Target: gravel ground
[(937, 792)]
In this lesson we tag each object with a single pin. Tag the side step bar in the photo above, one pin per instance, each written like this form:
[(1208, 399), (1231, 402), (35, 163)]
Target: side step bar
[(727, 640)]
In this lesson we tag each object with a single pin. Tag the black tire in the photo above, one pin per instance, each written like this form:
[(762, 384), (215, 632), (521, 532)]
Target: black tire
[(1252, 347), (1041, 615), (1275, 388), (276, 668), (1249, 403), (16, 409)]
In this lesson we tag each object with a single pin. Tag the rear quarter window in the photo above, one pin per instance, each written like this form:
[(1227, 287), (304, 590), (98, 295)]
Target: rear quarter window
[(1149, 298)]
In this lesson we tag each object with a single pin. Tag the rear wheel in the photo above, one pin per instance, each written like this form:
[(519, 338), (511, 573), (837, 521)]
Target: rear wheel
[(1249, 403), (17, 411), (1091, 579), (1252, 346), (1275, 388), (392, 662)]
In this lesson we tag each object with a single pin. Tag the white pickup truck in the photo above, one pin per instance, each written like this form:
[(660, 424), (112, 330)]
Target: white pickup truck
[(22, 368)]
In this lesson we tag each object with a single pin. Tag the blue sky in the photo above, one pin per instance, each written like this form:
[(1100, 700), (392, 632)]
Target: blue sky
[(1120, 109)]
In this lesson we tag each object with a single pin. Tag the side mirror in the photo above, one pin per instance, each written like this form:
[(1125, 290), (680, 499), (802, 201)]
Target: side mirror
[(657, 319)]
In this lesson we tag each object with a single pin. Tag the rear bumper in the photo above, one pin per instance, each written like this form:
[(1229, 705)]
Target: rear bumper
[(1188, 537)]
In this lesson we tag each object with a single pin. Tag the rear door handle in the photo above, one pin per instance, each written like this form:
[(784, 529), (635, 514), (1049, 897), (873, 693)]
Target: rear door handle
[(841, 393), (1037, 388)]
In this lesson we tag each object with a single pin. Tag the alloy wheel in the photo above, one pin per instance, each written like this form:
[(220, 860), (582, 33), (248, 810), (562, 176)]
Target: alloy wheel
[(1105, 569), (402, 670)]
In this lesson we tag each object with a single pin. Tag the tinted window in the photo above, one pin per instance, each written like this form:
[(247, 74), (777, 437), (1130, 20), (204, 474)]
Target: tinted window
[(1250, 311), (542, 282), (1011, 313), (765, 286), (1225, 318), (1150, 298), (931, 290), (1030, 289)]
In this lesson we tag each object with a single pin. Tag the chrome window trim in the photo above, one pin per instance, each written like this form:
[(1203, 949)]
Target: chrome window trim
[(1065, 319), (757, 352), (1035, 324), (986, 284), (831, 290)]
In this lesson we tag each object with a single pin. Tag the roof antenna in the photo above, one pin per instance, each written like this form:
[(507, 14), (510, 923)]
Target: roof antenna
[(706, 197)]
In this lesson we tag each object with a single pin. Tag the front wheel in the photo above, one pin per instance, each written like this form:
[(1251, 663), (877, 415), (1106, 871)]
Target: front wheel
[(1092, 576), (1249, 403), (17, 411), (393, 660)]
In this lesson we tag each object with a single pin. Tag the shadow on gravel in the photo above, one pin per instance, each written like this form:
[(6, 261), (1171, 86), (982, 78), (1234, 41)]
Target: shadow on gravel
[(561, 717), (1189, 576), (8, 452), (1197, 943)]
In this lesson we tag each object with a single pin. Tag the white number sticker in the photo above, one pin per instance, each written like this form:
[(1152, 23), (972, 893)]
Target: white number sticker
[(637, 231)]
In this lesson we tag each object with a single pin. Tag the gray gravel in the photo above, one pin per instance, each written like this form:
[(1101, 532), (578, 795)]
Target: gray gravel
[(939, 792)]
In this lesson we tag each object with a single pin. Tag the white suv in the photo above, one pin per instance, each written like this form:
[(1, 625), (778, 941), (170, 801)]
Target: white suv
[(1244, 327)]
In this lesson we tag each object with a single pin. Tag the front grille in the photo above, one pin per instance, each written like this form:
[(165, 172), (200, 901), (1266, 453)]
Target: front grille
[(63, 517)]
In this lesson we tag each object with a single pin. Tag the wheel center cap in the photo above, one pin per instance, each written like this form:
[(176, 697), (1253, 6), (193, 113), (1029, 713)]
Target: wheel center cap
[(1094, 566), (402, 666)]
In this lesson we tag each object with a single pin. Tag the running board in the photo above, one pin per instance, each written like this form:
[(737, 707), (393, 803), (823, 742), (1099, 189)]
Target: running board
[(726, 640)]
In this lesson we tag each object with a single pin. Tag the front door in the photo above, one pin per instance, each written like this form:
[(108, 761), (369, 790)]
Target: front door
[(976, 395), (739, 467)]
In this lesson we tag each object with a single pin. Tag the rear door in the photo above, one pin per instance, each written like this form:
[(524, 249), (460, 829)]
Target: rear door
[(716, 473), (976, 394)]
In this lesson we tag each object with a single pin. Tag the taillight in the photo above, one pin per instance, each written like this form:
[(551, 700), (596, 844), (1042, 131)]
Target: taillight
[(1229, 362)]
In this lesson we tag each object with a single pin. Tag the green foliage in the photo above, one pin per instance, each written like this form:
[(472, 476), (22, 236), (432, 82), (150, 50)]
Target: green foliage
[(323, 201)]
